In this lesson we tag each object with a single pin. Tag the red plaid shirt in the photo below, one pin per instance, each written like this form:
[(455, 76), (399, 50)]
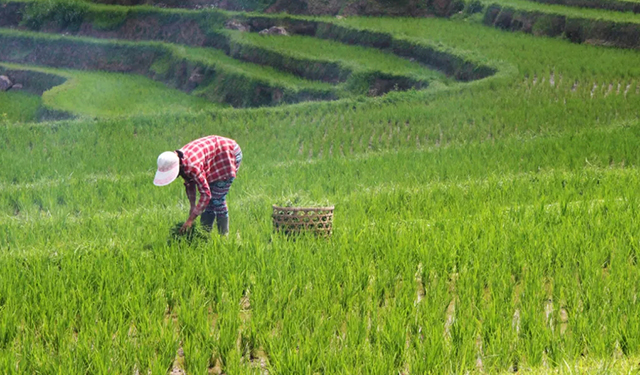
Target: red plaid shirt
[(207, 160)]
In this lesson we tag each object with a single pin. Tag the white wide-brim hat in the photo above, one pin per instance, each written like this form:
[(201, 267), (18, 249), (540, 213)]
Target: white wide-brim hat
[(168, 168)]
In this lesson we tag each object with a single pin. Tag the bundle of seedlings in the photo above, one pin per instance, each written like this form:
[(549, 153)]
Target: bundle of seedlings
[(191, 235)]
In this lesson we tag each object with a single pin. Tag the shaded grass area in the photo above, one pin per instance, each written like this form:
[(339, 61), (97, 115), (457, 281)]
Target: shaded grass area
[(354, 58), (203, 29), (26, 104), (579, 26), (105, 94), (589, 26), (114, 94), (274, 76), (19, 106), (616, 5), (571, 12), (456, 63)]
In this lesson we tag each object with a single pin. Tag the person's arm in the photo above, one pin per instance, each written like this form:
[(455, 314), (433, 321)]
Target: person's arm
[(205, 197), (190, 188)]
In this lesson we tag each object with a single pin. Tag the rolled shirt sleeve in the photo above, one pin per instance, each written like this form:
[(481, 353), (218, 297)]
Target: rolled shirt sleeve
[(205, 193), (190, 188)]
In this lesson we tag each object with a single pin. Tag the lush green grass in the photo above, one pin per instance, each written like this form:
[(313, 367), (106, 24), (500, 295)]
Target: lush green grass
[(112, 94), (16, 106), (105, 94), (167, 59), (354, 58), (218, 58), (529, 55), (366, 63), (397, 233), (478, 227)]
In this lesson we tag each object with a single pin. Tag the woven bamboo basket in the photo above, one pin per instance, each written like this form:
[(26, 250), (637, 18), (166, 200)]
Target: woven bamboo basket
[(294, 220)]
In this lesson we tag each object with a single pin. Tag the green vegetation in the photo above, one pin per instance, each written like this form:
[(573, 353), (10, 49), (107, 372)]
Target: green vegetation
[(253, 85), (616, 5), (366, 70), (354, 58), (67, 13), (107, 95), (217, 58), (25, 104), (570, 12), (19, 106), (527, 55), (245, 5), (578, 25), (113, 94), (484, 226), (191, 236), (416, 231)]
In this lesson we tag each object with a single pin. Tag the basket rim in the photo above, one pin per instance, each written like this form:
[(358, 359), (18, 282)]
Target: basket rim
[(327, 208)]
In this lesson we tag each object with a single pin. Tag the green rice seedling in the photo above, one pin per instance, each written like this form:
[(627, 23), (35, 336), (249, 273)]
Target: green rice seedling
[(194, 234), (18, 107), (109, 94)]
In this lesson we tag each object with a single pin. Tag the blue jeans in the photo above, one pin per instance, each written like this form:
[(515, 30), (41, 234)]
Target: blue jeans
[(219, 190)]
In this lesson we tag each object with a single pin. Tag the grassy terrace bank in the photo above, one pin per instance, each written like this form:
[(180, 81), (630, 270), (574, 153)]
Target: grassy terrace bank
[(519, 51), (204, 29), (26, 104), (100, 94), (615, 5), (578, 25), (19, 107), (186, 68), (571, 12), (459, 64), (331, 61)]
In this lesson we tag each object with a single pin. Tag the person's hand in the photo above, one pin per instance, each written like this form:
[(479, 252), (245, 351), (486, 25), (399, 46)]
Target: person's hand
[(186, 226)]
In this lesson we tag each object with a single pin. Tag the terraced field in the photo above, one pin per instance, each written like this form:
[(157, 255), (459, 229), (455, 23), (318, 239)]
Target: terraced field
[(485, 185), (615, 25)]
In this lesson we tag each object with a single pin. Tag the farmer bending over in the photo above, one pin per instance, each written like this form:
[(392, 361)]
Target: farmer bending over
[(210, 164)]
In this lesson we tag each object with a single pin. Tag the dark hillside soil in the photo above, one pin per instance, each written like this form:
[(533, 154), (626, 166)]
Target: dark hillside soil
[(10, 14), (33, 82), (406, 8), (574, 28)]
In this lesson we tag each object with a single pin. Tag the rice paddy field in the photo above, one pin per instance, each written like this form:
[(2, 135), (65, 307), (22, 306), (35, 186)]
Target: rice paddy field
[(482, 225)]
